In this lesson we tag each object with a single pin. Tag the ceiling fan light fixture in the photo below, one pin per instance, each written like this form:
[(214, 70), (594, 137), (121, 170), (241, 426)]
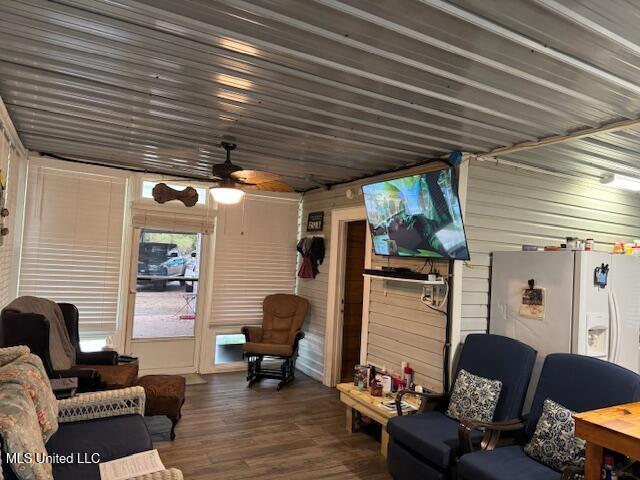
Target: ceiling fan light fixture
[(226, 195)]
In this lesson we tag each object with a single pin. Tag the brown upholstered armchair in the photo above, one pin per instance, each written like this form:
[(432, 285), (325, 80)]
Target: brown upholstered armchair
[(283, 316)]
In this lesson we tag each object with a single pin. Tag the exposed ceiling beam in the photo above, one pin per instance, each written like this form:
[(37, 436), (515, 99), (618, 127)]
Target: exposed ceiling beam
[(553, 140)]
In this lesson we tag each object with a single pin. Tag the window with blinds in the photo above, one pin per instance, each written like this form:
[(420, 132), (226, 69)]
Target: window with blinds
[(175, 221), (72, 245), (255, 256)]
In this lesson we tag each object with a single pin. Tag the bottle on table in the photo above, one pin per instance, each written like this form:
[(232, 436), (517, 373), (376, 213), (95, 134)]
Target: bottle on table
[(608, 468)]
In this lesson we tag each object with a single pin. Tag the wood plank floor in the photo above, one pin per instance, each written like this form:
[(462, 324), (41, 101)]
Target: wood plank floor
[(229, 431)]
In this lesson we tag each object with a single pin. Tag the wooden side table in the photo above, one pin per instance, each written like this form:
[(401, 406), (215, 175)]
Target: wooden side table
[(368, 405), (614, 428)]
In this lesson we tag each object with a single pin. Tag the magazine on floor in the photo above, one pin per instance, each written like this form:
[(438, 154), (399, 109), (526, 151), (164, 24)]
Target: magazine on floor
[(132, 466)]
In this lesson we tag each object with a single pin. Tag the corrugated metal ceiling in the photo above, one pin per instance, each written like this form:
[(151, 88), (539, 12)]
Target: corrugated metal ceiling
[(590, 157), (325, 89)]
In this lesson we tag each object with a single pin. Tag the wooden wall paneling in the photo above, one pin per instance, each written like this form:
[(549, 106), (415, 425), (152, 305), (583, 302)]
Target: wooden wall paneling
[(388, 334), (507, 207)]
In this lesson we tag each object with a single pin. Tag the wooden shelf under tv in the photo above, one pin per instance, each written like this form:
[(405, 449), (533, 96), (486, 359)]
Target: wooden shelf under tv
[(382, 276)]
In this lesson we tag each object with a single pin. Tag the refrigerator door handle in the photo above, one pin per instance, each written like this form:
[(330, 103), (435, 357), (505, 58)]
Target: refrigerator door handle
[(614, 328)]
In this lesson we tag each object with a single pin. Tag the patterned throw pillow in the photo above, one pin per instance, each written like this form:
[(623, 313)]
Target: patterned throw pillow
[(554, 442), (21, 433), (33, 377), (474, 397), (28, 371)]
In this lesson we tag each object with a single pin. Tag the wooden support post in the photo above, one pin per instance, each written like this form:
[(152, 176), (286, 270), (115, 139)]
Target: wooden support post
[(593, 462), (384, 441), (349, 419)]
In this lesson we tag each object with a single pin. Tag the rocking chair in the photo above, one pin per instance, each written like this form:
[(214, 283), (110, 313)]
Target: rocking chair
[(278, 337)]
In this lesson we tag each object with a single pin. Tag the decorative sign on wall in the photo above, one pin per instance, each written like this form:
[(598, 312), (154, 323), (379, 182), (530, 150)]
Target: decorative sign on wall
[(3, 211), (315, 222), (163, 193)]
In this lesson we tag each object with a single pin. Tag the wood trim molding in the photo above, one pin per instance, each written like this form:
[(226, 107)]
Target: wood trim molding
[(333, 327), (364, 339), (458, 272)]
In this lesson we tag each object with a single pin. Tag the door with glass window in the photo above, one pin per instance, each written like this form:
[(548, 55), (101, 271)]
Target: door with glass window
[(163, 310)]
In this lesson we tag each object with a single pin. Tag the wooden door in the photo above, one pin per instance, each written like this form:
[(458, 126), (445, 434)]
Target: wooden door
[(352, 299)]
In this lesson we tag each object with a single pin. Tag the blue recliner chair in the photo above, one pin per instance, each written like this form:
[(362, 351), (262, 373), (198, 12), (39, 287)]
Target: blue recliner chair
[(424, 446), (576, 382)]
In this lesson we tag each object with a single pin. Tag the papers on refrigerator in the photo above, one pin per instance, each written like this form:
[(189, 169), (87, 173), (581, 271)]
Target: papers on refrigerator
[(533, 303), (131, 466)]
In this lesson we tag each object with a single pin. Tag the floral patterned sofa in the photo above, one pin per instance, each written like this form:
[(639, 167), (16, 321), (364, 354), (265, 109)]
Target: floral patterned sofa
[(43, 438)]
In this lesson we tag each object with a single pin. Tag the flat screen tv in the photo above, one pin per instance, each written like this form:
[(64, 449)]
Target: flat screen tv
[(416, 216)]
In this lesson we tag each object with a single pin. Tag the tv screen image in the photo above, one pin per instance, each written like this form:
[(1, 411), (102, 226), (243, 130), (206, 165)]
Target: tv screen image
[(416, 216)]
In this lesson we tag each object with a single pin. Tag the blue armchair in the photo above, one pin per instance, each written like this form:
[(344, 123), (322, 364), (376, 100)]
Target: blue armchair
[(425, 445), (576, 382)]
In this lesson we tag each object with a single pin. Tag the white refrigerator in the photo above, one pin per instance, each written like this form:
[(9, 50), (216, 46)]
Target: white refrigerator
[(577, 315)]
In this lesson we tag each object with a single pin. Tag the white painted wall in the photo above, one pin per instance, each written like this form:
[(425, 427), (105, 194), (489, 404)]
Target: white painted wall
[(13, 165), (505, 207), (508, 206)]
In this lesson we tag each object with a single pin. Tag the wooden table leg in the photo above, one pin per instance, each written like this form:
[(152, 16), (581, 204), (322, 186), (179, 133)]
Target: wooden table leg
[(349, 419), (593, 462), (384, 441)]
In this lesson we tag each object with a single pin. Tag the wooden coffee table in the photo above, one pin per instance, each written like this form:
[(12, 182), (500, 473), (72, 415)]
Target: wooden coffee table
[(614, 428), (368, 405)]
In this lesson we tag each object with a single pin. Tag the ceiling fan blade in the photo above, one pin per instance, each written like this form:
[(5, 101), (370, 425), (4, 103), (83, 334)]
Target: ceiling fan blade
[(273, 186), (255, 176)]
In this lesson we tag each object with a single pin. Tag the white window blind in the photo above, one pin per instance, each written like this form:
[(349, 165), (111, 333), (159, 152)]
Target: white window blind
[(72, 243), (255, 256), (190, 220)]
